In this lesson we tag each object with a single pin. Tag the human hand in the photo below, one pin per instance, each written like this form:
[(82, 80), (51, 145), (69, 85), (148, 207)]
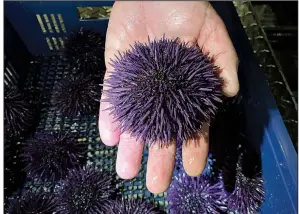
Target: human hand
[(194, 22)]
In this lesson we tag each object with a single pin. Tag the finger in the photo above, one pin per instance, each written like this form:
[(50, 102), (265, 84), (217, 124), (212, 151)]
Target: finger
[(160, 167), (129, 156), (195, 153), (109, 131), (215, 40)]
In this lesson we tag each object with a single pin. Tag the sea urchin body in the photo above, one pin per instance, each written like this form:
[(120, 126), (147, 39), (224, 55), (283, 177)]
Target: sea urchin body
[(48, 155), (196, 195), (130, 206), (77, 94), (84, 50), (163, 91), (33, 203), (86, 191)]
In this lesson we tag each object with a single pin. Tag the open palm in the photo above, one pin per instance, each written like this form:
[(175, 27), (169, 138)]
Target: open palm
[(194, 22)]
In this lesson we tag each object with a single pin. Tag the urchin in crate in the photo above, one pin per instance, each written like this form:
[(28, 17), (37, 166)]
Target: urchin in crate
[(84, 50), (196, 195), (43, 203), (130, 206), (86, 190), (77, 95), (48, 155)]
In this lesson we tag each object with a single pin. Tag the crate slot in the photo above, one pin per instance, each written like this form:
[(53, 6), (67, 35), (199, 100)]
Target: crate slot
[(13, 72), (10, 77), (61, 23), (7, 80), (55, 43), (61, 42), (55, 23), (41, 24), (48, 23), (49, 43)]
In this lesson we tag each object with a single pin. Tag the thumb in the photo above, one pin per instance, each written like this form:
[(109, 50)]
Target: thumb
[(215, 40)]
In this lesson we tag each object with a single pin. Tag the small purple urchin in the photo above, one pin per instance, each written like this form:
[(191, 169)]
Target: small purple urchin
[(248, 194), (86, 191), (33, 203), (77, 94), (84, 50), (48, 155), (196, 195), (163, 91), (17, 114), (130, 206)]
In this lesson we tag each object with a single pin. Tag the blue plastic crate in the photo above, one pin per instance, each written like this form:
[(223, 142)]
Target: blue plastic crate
[(264, 123)]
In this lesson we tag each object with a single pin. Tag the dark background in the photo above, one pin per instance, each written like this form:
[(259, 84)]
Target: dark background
[(283, 36)]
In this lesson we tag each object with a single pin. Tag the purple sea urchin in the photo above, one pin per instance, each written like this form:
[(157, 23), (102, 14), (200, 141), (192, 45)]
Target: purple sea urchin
[(163, 90), (17, 114), (130, 206), (77, 94), (48, 155), (84, 50), (196, 195), (248, 194), (33, 203), (86, 191)]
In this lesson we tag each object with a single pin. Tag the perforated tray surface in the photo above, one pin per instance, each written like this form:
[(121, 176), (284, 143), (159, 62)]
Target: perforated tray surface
[(44, 72)]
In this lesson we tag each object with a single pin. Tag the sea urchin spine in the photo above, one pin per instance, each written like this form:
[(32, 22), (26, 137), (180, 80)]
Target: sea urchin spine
[(163, 91), (86, 191), (17, 113), (37, 203), (196, 195), (84, 50), (130, 206), (48, 155), (77, 94), (248, 194)]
